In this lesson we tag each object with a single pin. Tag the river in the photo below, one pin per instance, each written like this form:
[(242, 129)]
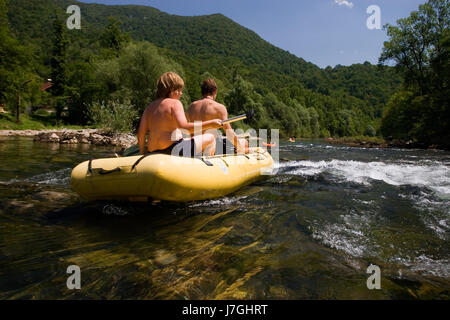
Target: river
[(309, 232)]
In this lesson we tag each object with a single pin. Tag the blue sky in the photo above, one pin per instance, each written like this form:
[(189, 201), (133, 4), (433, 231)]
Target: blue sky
[(324, 32)]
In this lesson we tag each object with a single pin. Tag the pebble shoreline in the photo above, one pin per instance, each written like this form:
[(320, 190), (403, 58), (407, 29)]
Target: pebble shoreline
[(98, 137)]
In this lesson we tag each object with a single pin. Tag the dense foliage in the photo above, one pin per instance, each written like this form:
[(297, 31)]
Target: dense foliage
[(120, 58), (420, 47), (114, 115), (17, 77)]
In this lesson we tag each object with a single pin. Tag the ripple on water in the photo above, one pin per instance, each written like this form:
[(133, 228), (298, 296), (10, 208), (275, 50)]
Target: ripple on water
[(435, 211), (350, 234)]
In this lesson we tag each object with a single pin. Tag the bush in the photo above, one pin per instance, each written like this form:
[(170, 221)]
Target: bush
[(41, 112), (113, 115), (370, 131), (324, 133)]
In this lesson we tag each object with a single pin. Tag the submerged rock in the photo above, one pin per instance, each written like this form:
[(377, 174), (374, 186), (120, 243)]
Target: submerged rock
[(19, 206), (52, 196), (164, 258)]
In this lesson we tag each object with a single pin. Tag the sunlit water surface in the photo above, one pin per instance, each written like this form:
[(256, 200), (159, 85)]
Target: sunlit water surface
[(309, 232)]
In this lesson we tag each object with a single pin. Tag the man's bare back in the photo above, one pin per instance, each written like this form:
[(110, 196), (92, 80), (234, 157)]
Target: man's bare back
[(158, 117), (206, 109)]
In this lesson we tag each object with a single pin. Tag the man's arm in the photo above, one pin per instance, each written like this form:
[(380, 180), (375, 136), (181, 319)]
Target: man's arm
[(143, 128), (231, 135), (239, 144), (182, 123)]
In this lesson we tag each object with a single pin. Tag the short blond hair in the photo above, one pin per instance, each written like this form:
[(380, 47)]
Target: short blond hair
[(167, 83)]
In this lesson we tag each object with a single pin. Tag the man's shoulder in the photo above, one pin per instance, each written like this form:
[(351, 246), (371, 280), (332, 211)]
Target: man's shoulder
[(171, 102), (195, 103), (212, 104), (219, 107), (175, 104)]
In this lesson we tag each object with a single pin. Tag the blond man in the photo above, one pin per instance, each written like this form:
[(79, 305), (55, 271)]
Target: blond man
[(165, 119)]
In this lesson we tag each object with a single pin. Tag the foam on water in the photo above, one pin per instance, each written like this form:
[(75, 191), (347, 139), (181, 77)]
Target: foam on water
[(217, 202), (435, 213), (426, 265), (344, 238), (59, 178), (351, 233), (435, 176)]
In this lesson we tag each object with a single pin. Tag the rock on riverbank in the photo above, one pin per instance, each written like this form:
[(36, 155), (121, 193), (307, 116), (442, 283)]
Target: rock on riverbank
[(97, 137)]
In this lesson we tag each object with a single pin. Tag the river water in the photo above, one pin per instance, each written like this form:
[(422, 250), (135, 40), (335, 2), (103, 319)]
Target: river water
[(309, 232)]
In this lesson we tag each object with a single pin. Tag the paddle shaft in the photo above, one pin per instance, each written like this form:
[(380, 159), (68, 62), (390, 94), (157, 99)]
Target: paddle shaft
[(234, 119)]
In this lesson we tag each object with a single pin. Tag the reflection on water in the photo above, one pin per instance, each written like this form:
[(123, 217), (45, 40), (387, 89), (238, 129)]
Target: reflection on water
[(308, 233)]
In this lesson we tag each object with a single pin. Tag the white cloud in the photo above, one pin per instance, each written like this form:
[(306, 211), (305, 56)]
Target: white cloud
[(344, 3)]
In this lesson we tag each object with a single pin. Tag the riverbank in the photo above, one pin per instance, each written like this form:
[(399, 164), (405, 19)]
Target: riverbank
[(375, 142), (105, 137), (98, 137)]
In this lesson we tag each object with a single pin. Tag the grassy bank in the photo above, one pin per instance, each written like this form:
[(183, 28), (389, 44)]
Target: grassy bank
[(33, 122)]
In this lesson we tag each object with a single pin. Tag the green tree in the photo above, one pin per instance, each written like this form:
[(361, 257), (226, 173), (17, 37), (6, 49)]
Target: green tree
[(83, 89), (415, 41), (243, 98), (113, 38), (314, 122), (15, 63), (59, 65), (133, 75), (370, 131), (419, 46), (346, 123)]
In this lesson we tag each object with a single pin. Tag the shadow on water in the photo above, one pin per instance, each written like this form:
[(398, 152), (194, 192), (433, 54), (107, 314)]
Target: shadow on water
[(308, 233)]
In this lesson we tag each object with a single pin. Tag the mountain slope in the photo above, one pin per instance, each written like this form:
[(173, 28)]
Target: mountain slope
[(219, 46)]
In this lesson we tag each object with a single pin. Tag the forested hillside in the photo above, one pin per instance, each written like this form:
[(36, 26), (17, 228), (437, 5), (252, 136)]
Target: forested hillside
[(286, 91)]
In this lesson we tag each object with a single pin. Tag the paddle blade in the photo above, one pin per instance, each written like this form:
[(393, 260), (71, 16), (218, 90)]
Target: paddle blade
[(250, 116)]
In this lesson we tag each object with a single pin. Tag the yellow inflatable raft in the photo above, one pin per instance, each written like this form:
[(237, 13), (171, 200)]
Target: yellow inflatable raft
[(165, 177)]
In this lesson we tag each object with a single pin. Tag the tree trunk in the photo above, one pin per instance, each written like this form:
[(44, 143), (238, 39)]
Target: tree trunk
[(18, 108)]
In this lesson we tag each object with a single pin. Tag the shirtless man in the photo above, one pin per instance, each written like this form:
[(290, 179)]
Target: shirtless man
[(164, 118), (207, 109)]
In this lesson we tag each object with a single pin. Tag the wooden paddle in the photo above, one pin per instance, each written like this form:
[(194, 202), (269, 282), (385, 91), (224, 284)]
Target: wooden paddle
[(249, 115), (234, 119)]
